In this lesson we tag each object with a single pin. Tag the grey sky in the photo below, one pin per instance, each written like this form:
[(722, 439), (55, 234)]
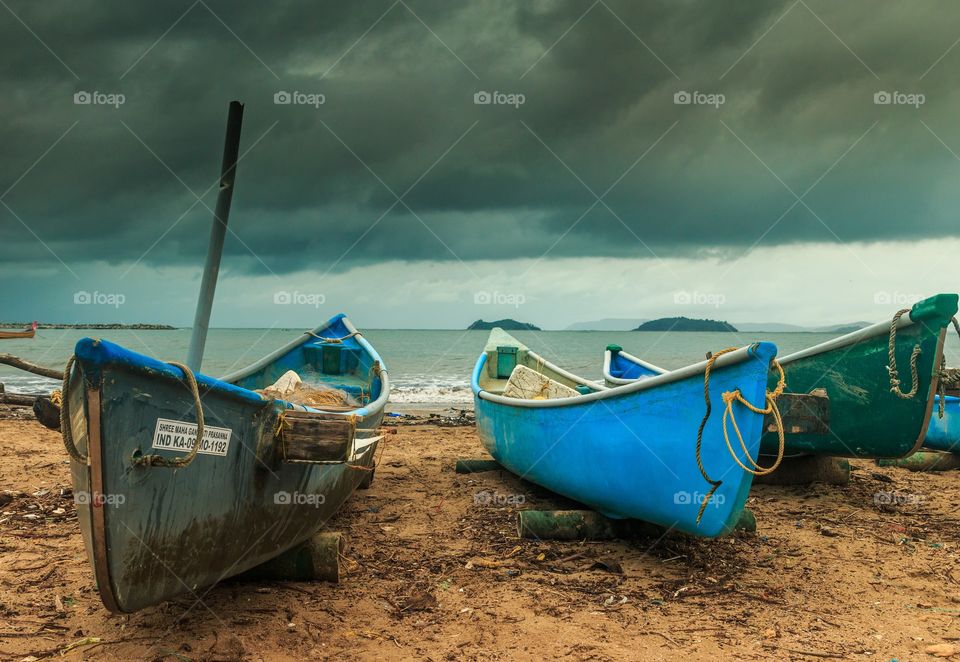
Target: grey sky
[(495, 198)]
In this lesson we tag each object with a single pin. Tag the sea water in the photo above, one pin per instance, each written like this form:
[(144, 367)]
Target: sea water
[(426, 367)]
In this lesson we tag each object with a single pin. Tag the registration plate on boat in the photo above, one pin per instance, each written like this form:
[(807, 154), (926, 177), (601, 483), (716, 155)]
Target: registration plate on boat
[(173, 435)]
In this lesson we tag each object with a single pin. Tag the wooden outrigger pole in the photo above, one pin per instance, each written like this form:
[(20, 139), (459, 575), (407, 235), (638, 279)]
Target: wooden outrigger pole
[(228, 173)]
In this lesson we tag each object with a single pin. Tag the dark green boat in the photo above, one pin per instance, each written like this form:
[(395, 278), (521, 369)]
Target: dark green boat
[(163, 515), (873, 412)]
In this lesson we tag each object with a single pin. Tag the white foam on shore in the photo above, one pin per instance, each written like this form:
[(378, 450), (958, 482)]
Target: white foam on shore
[(28, 383), (439, 391)]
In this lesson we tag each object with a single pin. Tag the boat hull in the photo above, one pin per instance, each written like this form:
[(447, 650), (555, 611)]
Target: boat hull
[(867, 420), (944, 433), (632, 455), (153, 533), (7, 335)]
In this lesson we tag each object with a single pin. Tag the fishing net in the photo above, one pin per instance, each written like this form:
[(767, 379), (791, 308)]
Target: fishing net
[(313, 396), (292, 389)]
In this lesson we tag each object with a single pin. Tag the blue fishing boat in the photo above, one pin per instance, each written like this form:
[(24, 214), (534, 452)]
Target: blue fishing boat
[(944, 432), (631, 451), (182, 480), (874, 412)]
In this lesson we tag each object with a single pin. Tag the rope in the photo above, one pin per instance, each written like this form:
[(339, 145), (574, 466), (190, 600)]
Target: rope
[(729, 397), (942, 386), (944, 376), (185, 460), (65, 419), (892, 367), (333, 340)]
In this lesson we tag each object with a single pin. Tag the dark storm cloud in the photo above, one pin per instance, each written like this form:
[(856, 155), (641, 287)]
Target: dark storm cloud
[(487, 181)]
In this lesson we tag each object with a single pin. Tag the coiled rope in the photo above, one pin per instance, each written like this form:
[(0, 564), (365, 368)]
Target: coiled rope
[(892, 367), (729, 397), (66, 431), (185, 460)]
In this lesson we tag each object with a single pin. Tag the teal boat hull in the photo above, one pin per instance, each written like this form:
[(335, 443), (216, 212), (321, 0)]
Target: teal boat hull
[(867, 420)]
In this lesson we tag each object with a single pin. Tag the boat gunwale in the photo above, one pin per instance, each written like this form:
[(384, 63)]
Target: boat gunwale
[(226, 388), (607, 356), (737, 356), (932, 394), (372, 407), (876, 329)]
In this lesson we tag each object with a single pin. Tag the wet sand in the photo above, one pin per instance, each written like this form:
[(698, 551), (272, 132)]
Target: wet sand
[(434, 573)]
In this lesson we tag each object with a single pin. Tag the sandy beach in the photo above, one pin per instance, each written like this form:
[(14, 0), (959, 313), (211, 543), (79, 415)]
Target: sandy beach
[(435, 573)]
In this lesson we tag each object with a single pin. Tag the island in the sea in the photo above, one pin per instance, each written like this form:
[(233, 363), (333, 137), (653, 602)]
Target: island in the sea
[(684, 324), (107, 325), (506, 325)]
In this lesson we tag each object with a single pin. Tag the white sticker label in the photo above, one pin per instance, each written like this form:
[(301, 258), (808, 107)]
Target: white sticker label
[(180, 436)]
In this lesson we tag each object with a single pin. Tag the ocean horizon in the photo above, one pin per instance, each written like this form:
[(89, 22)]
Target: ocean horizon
[(427, 367)]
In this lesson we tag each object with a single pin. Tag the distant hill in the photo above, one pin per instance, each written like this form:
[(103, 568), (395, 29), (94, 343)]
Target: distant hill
[(771, 327), (842, 329), (91, 325), (684, 324), (607, 324), (506, 325), (777, 327)]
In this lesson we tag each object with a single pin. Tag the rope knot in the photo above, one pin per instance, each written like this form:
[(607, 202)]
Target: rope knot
[(729, 397), (892, 368)]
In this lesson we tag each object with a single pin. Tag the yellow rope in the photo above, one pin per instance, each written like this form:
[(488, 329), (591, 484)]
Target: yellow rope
[(66, 430), (729, 397)]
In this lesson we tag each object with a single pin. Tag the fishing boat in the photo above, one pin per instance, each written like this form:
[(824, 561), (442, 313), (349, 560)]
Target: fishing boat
[(944, 431), (631, 451), (29, 332), (162, 513), (874, 411)]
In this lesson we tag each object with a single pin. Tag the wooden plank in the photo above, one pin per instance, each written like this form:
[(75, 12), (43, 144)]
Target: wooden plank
[(316, 438), (802, 412)]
